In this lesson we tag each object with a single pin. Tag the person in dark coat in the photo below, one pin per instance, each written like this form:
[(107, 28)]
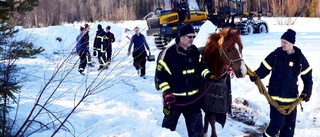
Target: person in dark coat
[(180, 69), (183, 11), (110, 40), (100, 45), (82, 50), (139, 53), (86, 43), (286, 64)]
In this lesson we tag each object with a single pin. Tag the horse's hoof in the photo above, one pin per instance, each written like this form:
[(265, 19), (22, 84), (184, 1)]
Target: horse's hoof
[(205, 135)]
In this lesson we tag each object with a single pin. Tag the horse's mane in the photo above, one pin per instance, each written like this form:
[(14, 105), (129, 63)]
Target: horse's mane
[(225, 33)]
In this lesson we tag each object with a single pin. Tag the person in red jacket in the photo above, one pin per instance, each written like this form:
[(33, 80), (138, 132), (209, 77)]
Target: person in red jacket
[(110, 40)]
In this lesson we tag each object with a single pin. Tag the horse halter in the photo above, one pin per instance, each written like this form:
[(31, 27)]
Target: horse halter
[(230, 60)]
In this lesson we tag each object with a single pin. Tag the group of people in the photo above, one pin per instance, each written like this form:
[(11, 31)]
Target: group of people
[(180, 69), (102, 45)]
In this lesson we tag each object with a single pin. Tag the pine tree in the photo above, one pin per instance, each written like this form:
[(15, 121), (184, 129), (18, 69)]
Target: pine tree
[(10, 51)]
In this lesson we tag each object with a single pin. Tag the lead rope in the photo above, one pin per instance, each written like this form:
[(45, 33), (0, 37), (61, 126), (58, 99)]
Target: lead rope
[(203, 93), (283, 109)]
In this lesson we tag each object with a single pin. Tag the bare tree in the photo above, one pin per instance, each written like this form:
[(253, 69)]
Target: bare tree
[(90, 85)]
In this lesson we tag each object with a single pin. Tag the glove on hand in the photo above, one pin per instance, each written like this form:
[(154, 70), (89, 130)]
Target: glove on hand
[(253, 78), (95, 53), (169, 99), (305, 97), (168, 102), (214, 78)]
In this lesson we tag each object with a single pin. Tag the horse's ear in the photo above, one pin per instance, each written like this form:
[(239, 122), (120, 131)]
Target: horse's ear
[(221, 40), (238, 32)]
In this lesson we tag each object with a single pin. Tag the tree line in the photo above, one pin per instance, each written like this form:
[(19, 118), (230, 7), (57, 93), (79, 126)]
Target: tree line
[(54, 12)]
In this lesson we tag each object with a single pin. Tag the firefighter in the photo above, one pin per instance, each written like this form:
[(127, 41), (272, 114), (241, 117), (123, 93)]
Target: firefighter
[(100, 45), (179, 72), (285, 63)]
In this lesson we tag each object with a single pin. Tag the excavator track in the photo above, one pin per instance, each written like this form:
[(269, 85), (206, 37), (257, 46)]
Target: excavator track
[(161, 41)]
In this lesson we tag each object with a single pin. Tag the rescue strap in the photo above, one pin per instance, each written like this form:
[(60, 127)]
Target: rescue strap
[(283, 109)]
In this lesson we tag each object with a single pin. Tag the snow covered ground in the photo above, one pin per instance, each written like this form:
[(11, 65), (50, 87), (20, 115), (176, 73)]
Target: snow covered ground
[(121, 104)]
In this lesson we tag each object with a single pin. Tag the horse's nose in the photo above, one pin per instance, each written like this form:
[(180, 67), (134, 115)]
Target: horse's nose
[(241, 73)]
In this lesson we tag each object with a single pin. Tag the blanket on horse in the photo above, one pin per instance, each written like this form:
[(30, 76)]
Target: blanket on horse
[(216, 99)]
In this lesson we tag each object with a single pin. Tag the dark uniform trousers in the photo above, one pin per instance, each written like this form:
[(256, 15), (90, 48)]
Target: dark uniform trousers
[(109, 53), (102, 58), (279, 122), (193, 119), (83, 60), (139, 61)]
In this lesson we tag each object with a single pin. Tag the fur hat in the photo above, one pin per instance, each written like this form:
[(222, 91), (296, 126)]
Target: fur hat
[(99, 27), (289, 35), (108, 28), (186, 29)]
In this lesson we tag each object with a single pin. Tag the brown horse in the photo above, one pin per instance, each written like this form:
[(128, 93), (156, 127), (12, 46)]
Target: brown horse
[(222, 52)]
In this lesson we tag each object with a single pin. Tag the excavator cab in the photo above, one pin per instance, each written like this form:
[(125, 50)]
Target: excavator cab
[(173, 4), (165, 23)]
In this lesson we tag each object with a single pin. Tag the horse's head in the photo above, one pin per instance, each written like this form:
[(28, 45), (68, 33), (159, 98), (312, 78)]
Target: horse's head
[(227, 44)]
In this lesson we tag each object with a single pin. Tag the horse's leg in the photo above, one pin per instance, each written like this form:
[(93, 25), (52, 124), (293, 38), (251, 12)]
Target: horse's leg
[(206, 124), (212, 120)]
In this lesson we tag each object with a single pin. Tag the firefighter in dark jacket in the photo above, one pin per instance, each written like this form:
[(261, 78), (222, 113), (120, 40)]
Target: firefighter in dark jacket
[(179, 72), (100, 45), (183, 11), (286, 63), (86, 43), (139, 53), (110, 40)]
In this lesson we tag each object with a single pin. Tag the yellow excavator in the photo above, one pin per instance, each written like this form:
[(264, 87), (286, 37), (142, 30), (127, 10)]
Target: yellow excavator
[(164, 23)]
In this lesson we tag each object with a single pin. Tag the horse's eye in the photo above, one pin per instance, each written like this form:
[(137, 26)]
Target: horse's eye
[(229, 50)]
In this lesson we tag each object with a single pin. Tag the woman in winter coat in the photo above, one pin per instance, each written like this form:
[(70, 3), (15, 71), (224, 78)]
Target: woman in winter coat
[(139, 53)]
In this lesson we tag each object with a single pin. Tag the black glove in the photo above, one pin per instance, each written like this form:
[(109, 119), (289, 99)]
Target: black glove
[(253, 78), (95, 53), (305, 97), (168, 103)]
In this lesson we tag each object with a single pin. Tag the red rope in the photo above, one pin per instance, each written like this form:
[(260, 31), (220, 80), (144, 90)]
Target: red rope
[(185, 104)]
